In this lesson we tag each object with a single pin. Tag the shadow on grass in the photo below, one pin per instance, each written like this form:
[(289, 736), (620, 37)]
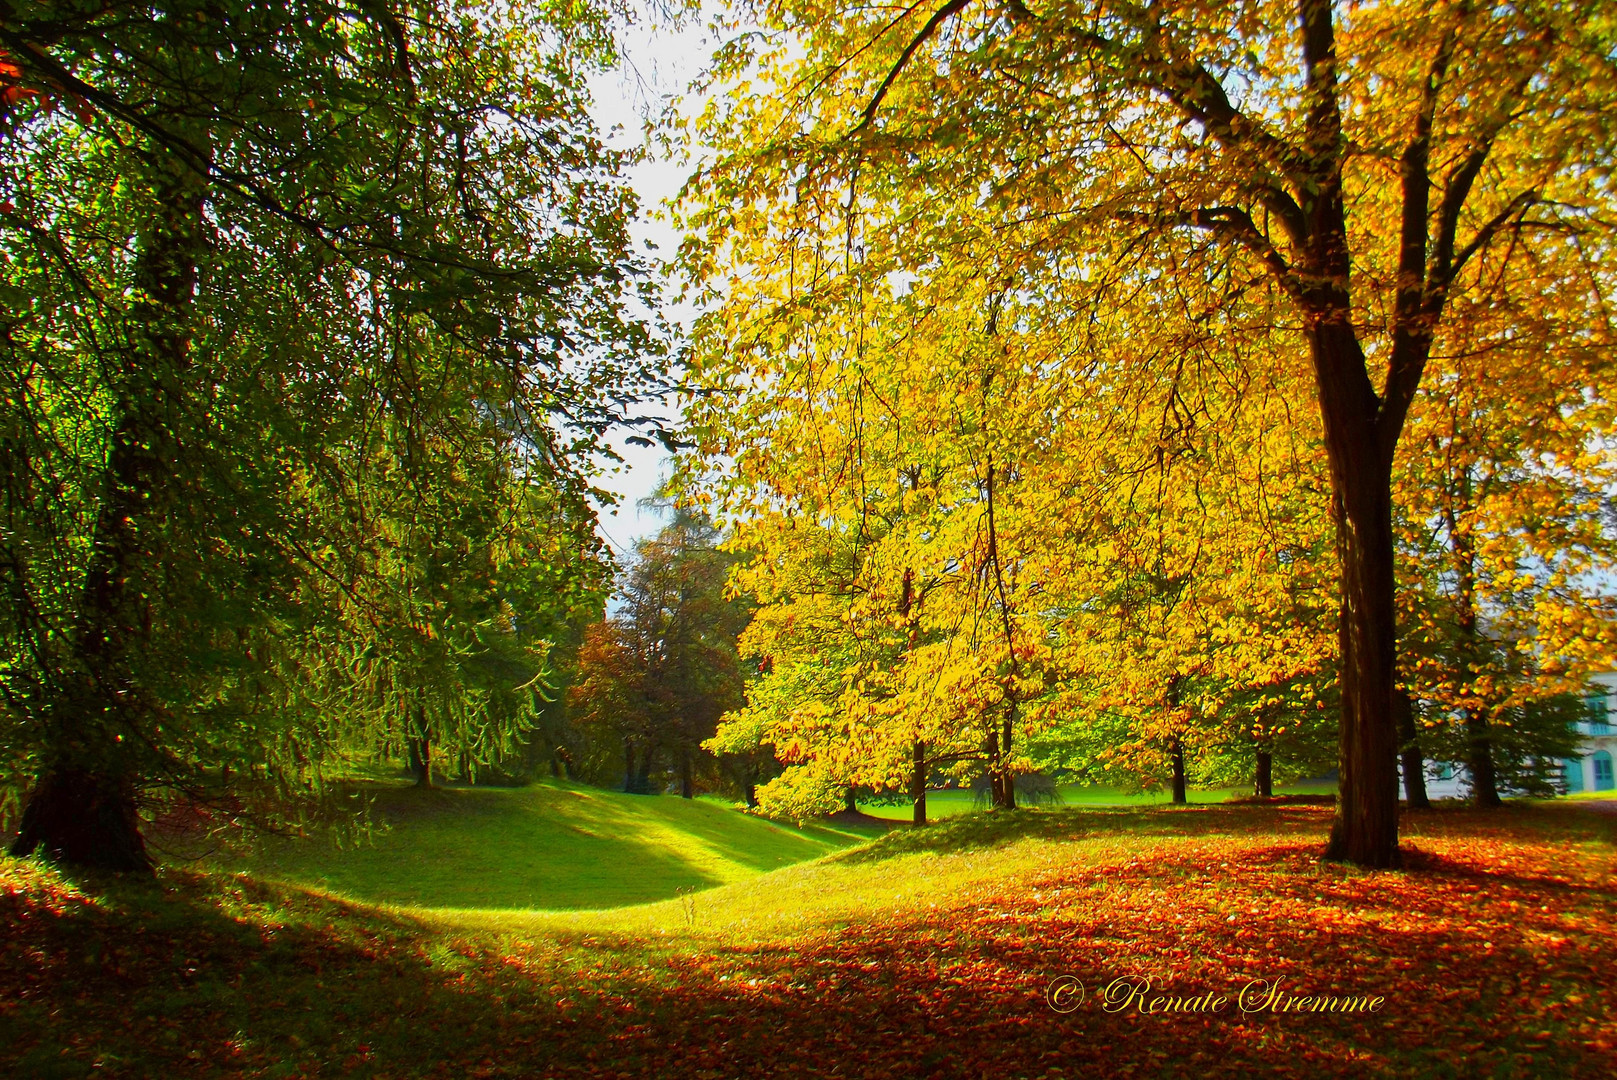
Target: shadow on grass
[(188, 975), (975, 831)]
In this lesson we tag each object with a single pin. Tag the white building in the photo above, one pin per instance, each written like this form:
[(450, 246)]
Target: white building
[(1590, 771), (1593, 770)]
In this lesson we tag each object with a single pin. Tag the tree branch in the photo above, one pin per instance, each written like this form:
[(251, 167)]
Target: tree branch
[(1232, 223), (939, 17)]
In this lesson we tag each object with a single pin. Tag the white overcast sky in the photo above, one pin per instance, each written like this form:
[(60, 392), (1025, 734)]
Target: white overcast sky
[(659, 63)]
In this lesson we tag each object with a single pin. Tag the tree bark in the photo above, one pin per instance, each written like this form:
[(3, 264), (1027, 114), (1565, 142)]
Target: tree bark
[(995, 778), (83, 818), (918, 782), (642, 780), (1263, 785), (1365, 830), (421, 760), (1414, 763), (849, 804), (749, 792), (82, 809), (687, 787), (1008, 783), (1479, 762), (1176, 751), (1361, 432)]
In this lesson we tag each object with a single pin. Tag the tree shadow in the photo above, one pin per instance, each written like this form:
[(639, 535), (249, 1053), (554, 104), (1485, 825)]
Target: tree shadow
[(969, 832)]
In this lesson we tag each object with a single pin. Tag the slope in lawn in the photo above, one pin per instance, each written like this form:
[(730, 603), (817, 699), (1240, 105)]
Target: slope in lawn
[(548, 846), (924, 954)]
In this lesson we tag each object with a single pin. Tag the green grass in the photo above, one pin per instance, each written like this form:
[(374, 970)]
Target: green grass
[(555, 846), (548, 846), (950, 802), (1592, 796)]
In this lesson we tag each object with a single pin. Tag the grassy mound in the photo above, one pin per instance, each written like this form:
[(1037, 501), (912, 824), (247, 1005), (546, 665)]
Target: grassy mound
[(548, 846)]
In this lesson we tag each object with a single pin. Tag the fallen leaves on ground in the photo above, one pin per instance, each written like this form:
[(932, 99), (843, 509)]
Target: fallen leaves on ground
[(1493, 949)]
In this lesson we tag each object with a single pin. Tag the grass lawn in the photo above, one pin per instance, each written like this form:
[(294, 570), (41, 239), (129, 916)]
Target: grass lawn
[(549, 845), (951, 801), (921, 953)]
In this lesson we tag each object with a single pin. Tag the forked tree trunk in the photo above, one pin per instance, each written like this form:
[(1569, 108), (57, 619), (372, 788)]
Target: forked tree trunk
[(1362, 426), (1414, 763), (1263, 784)]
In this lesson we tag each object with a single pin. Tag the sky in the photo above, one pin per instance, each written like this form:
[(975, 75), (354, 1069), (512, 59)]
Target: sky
[(659, 62)]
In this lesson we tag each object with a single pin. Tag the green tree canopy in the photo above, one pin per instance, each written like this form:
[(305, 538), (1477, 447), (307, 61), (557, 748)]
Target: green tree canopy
[(313, 318)]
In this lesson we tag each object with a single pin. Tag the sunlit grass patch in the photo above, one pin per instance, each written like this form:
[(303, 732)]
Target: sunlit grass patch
[(547, 846)]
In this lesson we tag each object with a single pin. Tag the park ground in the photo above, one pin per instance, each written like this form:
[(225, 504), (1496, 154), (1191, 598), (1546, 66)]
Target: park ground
[(825, 950)]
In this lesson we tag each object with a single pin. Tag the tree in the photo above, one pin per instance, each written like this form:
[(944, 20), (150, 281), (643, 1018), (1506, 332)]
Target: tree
[(658, 675), (888, 515), (1356, 159), (274, 272), (1507, 544)]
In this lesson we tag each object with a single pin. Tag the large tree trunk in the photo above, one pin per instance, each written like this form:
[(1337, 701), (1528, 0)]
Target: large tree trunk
[(102, 723), (1365, 830), (918, 782), (1263, 784), (1176, 751), (1361, 429), (81, 818), (1414, 763)]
